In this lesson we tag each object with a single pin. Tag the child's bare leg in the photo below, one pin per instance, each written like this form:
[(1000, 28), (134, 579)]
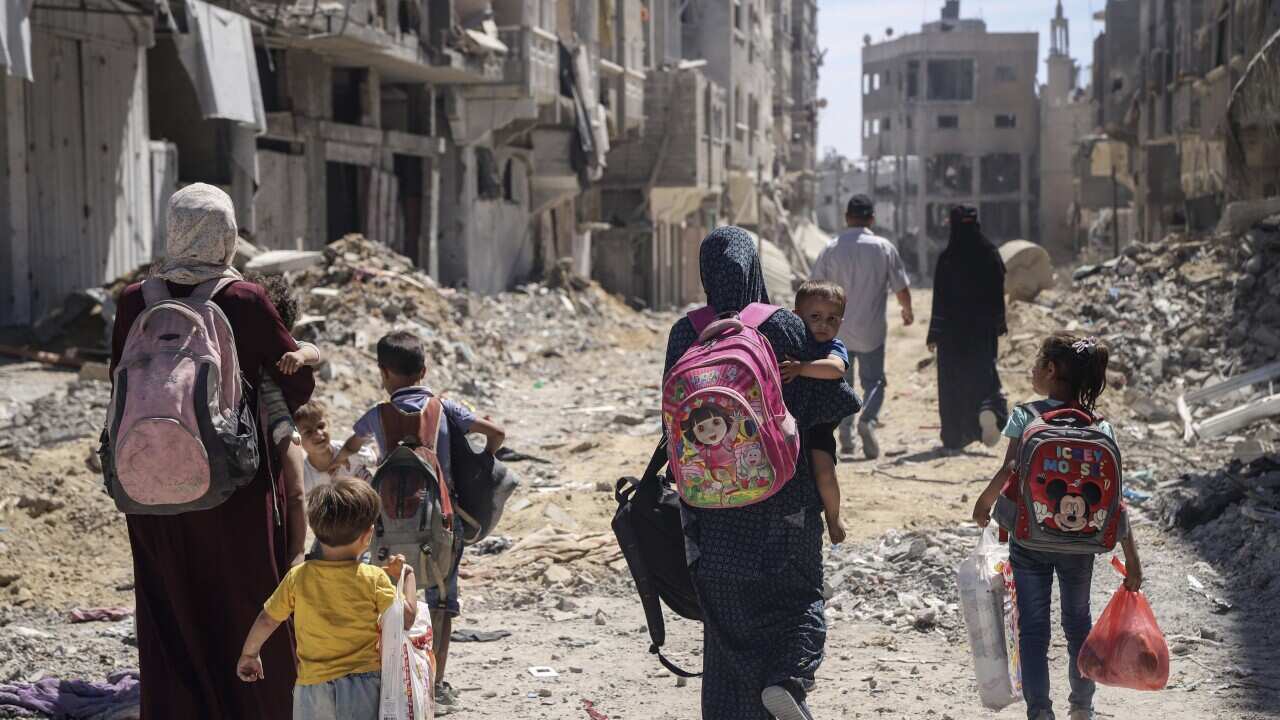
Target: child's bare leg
[(295, 513), (824, 472), (441, 629)]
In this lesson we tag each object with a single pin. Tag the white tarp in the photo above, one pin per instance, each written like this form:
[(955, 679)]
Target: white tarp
[(15, 37), (217, 52)]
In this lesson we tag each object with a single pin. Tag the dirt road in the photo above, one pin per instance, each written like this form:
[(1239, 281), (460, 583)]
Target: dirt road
[(565, 598)]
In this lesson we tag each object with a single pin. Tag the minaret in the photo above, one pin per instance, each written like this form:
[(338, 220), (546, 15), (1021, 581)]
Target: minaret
[(1062, 69), (1059, 39)]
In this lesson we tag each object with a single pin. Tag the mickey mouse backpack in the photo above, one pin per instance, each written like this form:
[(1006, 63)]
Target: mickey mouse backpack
[(732, 441), (1067, 493)]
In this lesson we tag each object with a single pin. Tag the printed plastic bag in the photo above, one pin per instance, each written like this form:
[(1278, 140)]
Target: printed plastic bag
[(983, 598), (1126, 648), (408, 667), (1012, 635)]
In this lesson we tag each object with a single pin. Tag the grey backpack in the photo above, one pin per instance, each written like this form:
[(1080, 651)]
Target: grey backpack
[(418, 518)]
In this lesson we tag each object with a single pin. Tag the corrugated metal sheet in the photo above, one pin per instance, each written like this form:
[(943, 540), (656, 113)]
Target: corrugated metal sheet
[(89, 171)]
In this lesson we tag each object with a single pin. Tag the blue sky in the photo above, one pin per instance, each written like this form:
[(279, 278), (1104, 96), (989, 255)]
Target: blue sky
[(842, 23)]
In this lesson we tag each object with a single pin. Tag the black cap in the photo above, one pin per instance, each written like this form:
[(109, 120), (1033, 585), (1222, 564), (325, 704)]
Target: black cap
[(860, 206)]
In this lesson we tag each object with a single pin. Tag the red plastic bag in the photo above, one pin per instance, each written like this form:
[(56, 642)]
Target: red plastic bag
[(1126, 648)]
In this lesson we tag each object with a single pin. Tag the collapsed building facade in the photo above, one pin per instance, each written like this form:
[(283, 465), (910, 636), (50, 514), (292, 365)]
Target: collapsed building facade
[(964, 100), (484, 140), (1186, 95)]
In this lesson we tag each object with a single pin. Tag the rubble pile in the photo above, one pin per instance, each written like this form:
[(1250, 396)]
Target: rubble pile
[(74, 412), (1232, 516), (904, 580), (362, 290), (1186, 308)]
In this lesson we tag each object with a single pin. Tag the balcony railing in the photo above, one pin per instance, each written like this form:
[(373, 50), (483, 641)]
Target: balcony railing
[(532, 62)]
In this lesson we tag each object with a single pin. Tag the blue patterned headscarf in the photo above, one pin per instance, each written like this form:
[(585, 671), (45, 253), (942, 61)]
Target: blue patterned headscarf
[(730, 268)]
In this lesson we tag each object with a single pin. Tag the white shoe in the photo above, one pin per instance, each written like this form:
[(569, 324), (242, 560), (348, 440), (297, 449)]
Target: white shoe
[(783, 705), (990, 430)]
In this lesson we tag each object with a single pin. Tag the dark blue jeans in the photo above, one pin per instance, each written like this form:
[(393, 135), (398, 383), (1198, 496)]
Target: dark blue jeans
[(869, 369), (1033, 575)]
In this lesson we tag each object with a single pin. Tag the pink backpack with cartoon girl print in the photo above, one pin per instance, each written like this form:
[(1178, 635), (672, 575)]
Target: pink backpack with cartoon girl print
[(731, 440)]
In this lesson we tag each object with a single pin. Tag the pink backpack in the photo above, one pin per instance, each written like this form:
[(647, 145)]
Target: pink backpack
[(731, 441), (180, 436)]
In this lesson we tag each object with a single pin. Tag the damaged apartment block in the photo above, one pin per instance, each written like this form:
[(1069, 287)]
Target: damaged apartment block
[(963, 99), (486, 141)]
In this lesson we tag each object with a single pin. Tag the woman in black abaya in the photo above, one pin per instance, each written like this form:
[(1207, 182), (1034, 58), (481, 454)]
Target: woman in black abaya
[(968, 318)]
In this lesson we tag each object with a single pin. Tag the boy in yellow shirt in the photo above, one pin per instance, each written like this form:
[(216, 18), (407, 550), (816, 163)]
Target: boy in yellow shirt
[(336, 602)]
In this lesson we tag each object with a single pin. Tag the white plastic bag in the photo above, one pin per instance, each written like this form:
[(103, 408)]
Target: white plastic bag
[(983, 600), (408, 667)]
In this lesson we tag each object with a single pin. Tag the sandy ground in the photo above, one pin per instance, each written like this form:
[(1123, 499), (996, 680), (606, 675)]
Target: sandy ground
[(587, 623)]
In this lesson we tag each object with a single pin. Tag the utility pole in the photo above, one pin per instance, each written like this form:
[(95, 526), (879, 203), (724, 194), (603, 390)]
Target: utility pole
[(1115, 208)]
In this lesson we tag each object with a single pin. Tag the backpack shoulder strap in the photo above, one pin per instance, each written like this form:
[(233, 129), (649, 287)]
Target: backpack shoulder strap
[(209, 289), (429, 426), (397, 425), (154, 290), (756, 314), (702, 317)]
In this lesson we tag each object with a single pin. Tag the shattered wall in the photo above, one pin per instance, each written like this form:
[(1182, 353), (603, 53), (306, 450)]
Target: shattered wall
[(1001, 173), (949, 174)]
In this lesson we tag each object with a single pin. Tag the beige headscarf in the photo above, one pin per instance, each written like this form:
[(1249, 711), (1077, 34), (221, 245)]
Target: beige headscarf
[(200, 236)]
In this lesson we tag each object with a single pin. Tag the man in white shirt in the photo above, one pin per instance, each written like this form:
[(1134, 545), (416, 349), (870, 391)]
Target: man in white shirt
[(868, 267)]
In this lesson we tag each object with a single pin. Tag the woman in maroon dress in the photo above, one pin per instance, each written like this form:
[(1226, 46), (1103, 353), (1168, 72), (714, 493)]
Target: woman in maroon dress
[(201, 577)]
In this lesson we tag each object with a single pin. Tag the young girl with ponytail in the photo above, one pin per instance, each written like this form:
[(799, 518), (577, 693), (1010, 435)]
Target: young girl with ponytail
[(1069, 371)]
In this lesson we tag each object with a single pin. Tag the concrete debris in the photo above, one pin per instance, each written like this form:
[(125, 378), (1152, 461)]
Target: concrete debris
[(904, 580), (1181, 314), (283, 261), (75, 412), (1028, 269)]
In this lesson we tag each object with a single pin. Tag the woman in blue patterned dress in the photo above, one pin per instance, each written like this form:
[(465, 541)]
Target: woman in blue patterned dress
[(758, 569)]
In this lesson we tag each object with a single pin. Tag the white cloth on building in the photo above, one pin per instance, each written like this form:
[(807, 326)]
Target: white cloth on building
[(868, 267), (15, 37), (217, 52), (200, 236), (363, 460)]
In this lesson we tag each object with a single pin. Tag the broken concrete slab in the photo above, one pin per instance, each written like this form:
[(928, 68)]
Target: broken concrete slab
[(282, 261), (1028, 269), (1226, 422), (1241, 215)]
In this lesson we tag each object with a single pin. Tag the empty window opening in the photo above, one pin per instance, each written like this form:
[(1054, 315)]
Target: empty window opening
[(948, 122), (950, 79), (344, 185), (488, 185), (347, 83), (1001, 173), (950, 174), (1006, 121), (913, 79), (1006, 73)]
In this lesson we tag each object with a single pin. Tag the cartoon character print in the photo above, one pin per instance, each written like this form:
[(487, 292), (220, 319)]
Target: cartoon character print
[(1070, 506), (753, 467), (709, 431)]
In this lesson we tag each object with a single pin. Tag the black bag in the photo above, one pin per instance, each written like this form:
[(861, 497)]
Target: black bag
[(482, 484), (647, 525)]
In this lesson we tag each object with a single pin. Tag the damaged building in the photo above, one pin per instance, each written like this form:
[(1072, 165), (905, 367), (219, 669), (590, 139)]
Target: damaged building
[(484, 140), (1164, 72), (1066, 117), (964, 100)]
